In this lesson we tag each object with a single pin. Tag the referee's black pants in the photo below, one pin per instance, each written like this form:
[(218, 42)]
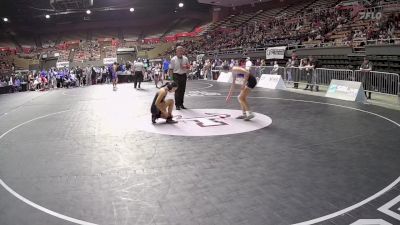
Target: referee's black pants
[(180, 79)]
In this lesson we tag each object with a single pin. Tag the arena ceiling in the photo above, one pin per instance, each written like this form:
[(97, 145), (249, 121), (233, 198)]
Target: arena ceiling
[(230, 3), (31, 13)]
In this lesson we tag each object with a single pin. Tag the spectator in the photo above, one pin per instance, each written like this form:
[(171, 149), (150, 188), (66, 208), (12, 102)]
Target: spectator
[(275, 68), (366, 68)]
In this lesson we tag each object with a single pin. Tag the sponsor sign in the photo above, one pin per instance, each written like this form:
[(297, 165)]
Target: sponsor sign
[(108, 61), (276, 52), (366, 15), (62, 64), (346, 90), (225, 77), (271, 82)]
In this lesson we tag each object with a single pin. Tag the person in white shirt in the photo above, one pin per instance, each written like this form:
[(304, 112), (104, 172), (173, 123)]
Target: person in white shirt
[(207, 70), (275, 68), (138, 67), (249, 64), (157, 75), (178, 69)]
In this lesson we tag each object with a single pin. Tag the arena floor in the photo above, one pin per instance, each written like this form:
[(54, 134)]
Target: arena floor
[(91, 156)]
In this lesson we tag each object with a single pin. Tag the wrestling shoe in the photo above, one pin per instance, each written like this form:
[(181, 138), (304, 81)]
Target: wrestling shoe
[(171, 121), (248, 118), (153, 119), (242, 117)]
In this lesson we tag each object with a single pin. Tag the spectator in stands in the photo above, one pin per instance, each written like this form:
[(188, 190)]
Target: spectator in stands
[(365, 68)]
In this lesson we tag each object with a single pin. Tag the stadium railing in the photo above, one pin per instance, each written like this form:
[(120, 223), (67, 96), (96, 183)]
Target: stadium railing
[(373, 81), (380, 82)]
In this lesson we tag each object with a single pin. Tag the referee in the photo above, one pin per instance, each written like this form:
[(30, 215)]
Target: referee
[(178, 68)]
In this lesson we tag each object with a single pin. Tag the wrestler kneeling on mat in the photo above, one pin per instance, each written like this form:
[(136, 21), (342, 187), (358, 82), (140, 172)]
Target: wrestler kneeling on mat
[(161, 108), (249, 83)]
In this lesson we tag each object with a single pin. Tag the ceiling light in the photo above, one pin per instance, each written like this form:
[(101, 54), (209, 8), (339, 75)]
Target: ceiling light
[(5, 19), (88, 11), (131, 9), (47, 16), (180, 5)]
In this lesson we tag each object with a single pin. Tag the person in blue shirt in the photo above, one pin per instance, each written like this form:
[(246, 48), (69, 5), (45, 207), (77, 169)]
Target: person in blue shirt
[(114, 77), (43, 73), (17, 84), (165, 68)]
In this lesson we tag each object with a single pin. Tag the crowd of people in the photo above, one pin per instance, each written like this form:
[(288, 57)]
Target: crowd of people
[(42, 80), (317, 25), (278, 31)]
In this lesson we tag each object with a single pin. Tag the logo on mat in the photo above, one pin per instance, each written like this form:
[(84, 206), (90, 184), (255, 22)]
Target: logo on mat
[(204, 122), (202, 93), (208, 120)]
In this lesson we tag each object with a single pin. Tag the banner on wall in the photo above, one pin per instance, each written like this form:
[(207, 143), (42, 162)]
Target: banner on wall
[(62, 64), (370, 15), (276, 52), (108, 61)]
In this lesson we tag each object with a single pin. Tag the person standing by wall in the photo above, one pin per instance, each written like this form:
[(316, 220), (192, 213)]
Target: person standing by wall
[(305, 68), (275, 68), (178, 69), (294, 71), (288, 70), (365, 68), (314, 65)]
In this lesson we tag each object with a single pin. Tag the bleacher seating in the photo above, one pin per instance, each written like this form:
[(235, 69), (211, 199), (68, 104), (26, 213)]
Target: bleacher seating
[(87, 51), (312, 23), (266, 15), (64, 55)]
